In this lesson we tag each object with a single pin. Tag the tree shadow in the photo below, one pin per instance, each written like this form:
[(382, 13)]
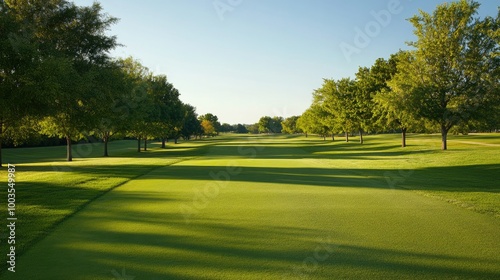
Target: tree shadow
[(160, 245)]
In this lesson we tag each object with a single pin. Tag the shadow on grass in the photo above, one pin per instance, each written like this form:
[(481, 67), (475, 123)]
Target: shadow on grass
[(456, 178), (232, 249), (122, 148), (219, 248)]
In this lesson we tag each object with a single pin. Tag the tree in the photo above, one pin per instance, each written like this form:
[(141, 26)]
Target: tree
[(270, 125), (290, 125), (339, 99), (393, 108), (70, 116), (167, 107), (453, 74), (264, 124), (190, 124), (305, 122), (72, 40), (214, 120), (26, 91), (136, 106), (225, 127), (240, 128), (208, 127), (316, 120), (111, 86), (252, 128)]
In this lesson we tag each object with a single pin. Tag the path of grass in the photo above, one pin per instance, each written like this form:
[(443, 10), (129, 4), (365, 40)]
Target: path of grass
[(277, 208)]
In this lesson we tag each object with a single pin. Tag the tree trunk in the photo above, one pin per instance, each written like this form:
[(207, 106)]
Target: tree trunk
[(347, 136), (145, 143), (361, 141), (444, 134), (306, 134), (324, 137), (333, 136), (139, 144), (69, 153), (403, 137), (175, 140), (106, 140), (163, 143)]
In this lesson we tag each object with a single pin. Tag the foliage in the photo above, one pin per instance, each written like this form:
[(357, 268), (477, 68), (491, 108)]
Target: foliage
[(208, 127), (270, 124), (462, 87), (290, 125)]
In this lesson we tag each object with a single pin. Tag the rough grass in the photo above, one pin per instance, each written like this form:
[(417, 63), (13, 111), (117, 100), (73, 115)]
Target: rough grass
[(265, 208)]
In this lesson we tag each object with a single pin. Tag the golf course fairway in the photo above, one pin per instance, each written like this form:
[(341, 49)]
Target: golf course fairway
[(264, 207)]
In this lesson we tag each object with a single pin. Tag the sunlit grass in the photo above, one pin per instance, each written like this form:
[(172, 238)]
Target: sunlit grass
[(49, 189), (271, 207)]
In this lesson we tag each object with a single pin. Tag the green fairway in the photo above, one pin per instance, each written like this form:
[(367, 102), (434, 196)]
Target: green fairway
[(262, 207)]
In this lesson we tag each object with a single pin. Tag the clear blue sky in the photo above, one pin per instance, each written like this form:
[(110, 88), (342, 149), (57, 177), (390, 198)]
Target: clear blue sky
[(243, 59)]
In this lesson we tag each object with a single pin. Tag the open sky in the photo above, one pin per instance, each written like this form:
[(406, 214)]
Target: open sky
[(243, 59)]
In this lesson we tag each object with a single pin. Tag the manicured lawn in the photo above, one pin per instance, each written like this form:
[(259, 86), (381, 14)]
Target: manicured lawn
[(264, 207), (49, 189)]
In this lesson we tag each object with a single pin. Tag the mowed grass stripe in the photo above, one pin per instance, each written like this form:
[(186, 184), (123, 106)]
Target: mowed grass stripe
[(282, 213)]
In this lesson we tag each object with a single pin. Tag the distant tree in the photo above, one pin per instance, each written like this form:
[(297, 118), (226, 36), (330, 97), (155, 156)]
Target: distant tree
[(290, 125), (208, 127), (264, 124), (306, 122), (241, 129), (225, 127), (339, 99), (190, 123), (253, 128), (270, 124), (275, 125), (213, 119)]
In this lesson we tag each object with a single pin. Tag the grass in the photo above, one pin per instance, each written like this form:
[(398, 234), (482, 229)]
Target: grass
[(49, 189), (250, 207)]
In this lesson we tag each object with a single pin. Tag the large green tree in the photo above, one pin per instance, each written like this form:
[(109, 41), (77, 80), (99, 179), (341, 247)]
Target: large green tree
[(110, 87), (453, 74), (339, 99), (166, 107), (12, 60), (74, 39), (393, 108), (136, 107)]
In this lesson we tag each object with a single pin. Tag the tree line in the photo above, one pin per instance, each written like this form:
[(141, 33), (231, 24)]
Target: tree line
[(450, 79), (58, 79)]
